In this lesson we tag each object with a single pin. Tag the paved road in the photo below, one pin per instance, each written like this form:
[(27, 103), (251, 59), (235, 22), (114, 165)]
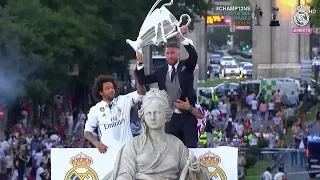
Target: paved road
[(221, 76), (294, 169)]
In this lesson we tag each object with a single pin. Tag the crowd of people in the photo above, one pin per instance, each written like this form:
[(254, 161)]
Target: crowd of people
[(224, 129), (25, 150)]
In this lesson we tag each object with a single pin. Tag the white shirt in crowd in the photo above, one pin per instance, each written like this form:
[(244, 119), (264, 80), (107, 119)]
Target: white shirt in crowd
[(38, 157), (239, 129), (267, 175), (9, 161), (39, 171), (215, 112), (48, 145), (279, 176), (114, 122), (82, 117), (2, 155), (253, 141), (70, 120), (223, 107), (271, 106), (14, 174), (55, 138), (4, 145), (254, 104)]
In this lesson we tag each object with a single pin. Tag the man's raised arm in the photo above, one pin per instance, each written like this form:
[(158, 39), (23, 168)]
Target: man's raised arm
[(141, 77), (192, 60)]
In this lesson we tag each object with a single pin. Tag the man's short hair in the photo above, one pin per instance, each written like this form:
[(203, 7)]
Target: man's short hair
[(173, 45)]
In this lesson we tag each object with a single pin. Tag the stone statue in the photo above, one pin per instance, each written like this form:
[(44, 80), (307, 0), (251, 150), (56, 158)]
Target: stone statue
[(258, 15), (155, 155)]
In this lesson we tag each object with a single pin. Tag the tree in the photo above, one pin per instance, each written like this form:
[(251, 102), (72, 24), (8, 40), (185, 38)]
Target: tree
[(219, 37), (315, 18), (53, 35)]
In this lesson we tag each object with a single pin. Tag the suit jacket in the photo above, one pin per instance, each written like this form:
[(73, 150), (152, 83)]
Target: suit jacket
[(185, 72)]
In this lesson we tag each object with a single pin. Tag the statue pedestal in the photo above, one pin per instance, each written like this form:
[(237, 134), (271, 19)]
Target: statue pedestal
[(278, 70)]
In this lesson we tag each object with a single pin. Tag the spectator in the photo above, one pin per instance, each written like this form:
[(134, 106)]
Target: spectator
[(293, 99), (239, 128), (223, 109), (14, 173), (271, 108), (263, 110), (241, 164), (280, 175), (40, 175), (254, 106), (267, 174)]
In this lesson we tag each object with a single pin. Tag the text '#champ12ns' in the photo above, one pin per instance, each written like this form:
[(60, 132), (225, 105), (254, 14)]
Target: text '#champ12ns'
[(232, 8)]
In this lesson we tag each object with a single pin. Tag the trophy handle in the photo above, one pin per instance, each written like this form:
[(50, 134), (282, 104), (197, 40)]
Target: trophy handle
[(168, 4), (183, 16), (154, 7)]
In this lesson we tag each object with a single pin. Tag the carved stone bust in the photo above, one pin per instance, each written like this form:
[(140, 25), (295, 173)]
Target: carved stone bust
[(155, 155)]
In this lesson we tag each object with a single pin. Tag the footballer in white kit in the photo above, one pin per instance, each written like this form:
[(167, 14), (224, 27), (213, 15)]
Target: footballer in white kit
[(111, 115)]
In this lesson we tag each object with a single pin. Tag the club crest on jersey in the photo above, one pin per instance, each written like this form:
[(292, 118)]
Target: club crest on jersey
[(119, 109), (102, 109)]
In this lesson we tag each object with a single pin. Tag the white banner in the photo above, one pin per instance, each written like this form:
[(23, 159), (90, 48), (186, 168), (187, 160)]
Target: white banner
[(89, 164)]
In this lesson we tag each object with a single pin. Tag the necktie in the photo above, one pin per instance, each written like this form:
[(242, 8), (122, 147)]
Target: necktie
[(173, 73)]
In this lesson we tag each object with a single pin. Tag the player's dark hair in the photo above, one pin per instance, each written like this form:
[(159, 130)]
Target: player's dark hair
[(98, 85), (172, 44)]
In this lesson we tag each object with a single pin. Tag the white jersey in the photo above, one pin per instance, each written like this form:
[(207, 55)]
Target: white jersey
[(113, 120)]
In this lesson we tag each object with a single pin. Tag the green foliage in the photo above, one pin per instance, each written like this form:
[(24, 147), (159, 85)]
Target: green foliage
[(262, 143), (219, 38), (37, 89), (251, 156), (251, 160), (291, 120), (55, 35), (253, 150), (315, 18)]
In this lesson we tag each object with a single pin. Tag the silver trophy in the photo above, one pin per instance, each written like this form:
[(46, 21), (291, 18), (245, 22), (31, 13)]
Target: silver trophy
[(159, 25)]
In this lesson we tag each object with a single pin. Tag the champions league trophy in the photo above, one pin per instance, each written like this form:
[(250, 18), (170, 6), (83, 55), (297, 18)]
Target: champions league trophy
[(274, 21), (159, 25)]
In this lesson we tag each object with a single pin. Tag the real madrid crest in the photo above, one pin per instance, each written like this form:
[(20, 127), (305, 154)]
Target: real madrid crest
[(119, 109), (81, 169), (102, 109), (301, 17), (212, 161)]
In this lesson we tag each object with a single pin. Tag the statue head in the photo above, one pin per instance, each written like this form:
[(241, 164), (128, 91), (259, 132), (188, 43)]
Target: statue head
[(155, 110), (154, 113)]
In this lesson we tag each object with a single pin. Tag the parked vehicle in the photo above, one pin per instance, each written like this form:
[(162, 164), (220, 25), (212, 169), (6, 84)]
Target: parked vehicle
[(231, 70), (215, 59), (213, 70), (241, 66), (227, 60), (247, 70)]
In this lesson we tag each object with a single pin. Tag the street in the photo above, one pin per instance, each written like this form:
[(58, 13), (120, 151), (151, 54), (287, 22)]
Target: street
[(221, 76), (294, 172)]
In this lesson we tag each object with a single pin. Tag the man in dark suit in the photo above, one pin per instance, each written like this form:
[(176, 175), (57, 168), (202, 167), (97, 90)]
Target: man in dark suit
[(176, 77)]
